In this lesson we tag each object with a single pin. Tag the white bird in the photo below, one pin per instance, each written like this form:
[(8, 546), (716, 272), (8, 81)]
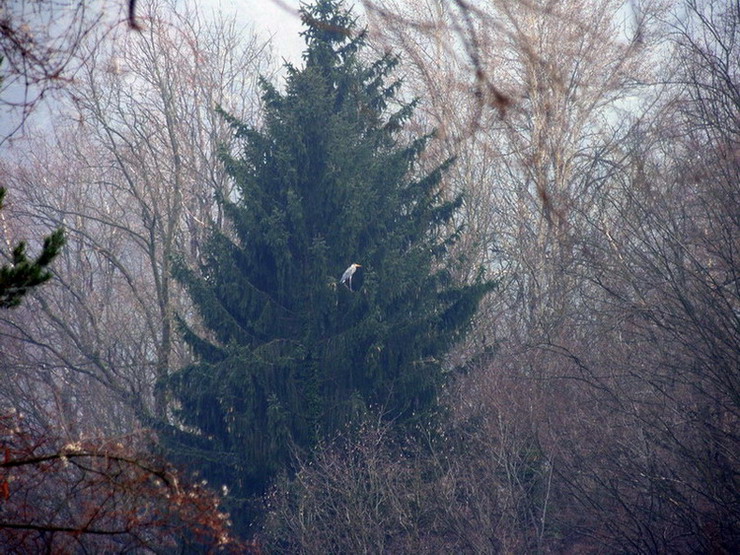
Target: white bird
[(347, 275)]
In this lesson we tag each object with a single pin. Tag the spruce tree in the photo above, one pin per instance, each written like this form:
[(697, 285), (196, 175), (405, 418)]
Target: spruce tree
[(287, 355)]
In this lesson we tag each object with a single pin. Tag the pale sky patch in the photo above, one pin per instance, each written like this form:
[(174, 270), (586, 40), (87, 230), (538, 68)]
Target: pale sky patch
[(269, 18)]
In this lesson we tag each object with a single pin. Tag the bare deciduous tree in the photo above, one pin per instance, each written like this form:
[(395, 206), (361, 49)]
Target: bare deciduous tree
[(132, 175), (42, 48), (99, 495)]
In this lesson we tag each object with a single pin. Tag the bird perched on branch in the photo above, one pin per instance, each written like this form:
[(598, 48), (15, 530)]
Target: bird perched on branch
[(349, 275)]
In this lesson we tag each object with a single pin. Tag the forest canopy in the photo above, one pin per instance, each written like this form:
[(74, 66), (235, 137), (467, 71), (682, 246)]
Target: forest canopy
[(581, 155)]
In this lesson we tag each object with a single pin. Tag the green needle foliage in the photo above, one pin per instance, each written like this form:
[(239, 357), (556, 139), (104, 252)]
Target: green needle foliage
[(23, 274), (288, 355)]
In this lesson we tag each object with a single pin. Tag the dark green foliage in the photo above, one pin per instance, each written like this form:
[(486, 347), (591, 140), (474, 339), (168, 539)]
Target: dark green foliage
[(290, 355), (23, 274)]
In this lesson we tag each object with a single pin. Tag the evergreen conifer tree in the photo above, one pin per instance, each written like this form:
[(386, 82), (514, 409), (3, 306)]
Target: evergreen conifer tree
[(22, 273), (288, 354)]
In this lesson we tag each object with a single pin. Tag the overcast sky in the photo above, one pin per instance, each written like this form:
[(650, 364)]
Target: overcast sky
[(269, 18), (276, 18)]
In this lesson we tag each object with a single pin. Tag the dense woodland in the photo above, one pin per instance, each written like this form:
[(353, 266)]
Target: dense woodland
[(540, 352)]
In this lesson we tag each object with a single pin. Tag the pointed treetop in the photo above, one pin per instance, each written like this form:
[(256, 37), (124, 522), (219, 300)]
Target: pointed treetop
[(328, 23)]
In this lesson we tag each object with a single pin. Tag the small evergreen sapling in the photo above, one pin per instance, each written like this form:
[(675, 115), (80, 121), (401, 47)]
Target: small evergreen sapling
[(22, 273)]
